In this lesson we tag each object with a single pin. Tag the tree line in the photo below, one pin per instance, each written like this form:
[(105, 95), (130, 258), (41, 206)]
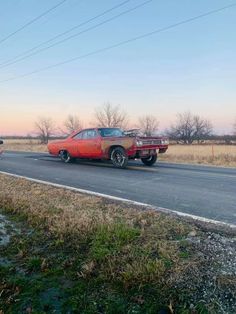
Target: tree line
[(186, 129)]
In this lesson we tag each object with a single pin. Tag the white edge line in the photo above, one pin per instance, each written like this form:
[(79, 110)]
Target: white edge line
[(124, 200)]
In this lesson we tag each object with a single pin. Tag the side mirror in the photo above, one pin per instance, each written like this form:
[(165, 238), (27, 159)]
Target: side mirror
[(1, 142)]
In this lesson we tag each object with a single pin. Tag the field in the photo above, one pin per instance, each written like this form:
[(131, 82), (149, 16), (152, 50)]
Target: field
[(220, 155), (28, 145), (65, 252)]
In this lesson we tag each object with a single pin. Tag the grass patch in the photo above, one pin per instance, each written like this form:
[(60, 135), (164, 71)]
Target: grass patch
[(81, 254), (110, 239)]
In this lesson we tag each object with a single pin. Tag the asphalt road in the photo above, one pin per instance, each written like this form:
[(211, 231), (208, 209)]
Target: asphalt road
[(208, 192)]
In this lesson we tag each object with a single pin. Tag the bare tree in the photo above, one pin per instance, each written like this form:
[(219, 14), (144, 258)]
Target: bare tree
[(71, 124), (109, 115), (189, 128), (148, 125), (203, 128), (44, 129)]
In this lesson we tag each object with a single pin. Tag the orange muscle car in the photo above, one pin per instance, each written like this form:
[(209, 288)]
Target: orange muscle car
[(109, 144)]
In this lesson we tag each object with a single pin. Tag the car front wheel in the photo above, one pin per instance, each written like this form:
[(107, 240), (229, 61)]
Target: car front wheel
[(119, 157), (149, 161)]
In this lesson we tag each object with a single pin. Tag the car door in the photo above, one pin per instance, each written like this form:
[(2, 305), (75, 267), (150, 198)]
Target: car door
[(75, 144), (88, 144)]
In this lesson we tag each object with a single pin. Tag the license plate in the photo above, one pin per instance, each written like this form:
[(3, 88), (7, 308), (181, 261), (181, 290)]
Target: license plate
[(145, 152)]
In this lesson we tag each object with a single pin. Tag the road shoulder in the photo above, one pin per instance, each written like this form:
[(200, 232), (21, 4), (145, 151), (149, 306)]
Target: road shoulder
[(92, 244)]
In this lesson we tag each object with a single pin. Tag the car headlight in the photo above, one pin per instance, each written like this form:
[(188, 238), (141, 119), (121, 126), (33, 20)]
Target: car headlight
[(165, 142), (139, 143)]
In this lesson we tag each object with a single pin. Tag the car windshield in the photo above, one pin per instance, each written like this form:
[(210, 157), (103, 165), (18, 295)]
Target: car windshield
[(111, 132)]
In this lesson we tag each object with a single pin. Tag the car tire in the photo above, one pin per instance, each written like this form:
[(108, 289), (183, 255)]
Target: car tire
[(119, 157), (65, 157), (149, 161)]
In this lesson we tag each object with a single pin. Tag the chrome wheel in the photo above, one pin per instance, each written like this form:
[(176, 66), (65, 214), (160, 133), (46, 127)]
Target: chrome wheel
[(119, 158)]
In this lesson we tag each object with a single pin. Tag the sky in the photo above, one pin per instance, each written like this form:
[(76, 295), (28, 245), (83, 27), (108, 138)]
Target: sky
[(191, 67)]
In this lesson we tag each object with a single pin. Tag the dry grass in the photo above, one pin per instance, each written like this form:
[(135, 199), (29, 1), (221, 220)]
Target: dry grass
[(67, 212), (219, 155), (27, 145), (115, 258)]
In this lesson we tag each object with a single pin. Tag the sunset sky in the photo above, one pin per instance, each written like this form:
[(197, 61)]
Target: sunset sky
[(189, 67)]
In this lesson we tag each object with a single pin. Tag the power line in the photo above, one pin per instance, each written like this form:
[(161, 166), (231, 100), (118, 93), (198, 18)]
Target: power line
[(122, 43), (79, 33), (32, 21), (9, 61)]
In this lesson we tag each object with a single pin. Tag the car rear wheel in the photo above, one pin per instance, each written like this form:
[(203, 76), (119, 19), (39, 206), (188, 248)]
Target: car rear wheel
[(119, 157), (149, 161), (65, 156)]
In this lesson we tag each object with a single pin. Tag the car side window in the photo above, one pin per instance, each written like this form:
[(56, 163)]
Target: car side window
[(79, 136), (91, 134), (86, 135)]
